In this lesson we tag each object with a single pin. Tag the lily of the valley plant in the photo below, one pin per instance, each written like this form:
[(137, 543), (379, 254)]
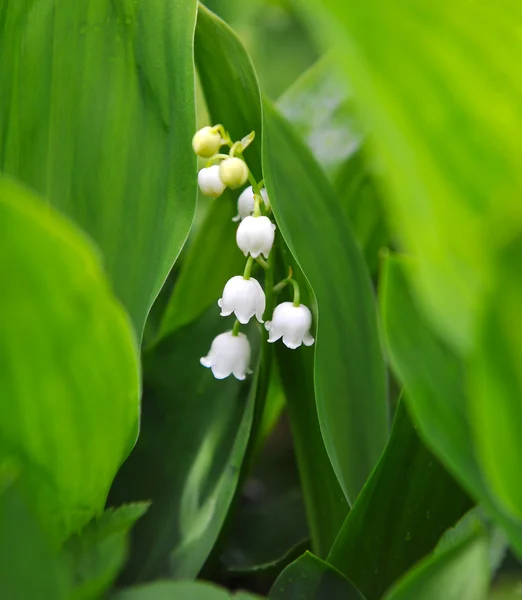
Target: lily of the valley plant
[(243, 295)]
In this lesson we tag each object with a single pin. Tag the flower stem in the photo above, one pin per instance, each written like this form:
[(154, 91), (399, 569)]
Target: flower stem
[(282, 284), (269, 284), (235, 329), (248, 268), (215, 158), (297, 293), (262, 262)]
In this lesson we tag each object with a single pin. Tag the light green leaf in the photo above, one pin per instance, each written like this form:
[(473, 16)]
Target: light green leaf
[(461, 573), (68, 358), (194, 434), (97, 115), (322, 108), (213, 258), (350, 375), (399, 516), (180, 590), (309, 578), (440, 86), (97, 553), (29, 568), (495, 383), (434, 380)]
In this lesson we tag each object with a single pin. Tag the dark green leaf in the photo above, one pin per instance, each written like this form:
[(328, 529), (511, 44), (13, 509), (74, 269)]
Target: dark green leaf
[(97, 114), (187, 460), (309, 578), (350, 375), (461, 573), (409, 501), (98, 552), (440, 87), (265, 530), (205, 270), (179, 590), (29, 568), (434, 380), (68, 358)]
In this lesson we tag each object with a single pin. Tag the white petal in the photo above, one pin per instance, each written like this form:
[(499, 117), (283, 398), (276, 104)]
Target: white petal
[(291, 342), (206, 361), (308, 340)]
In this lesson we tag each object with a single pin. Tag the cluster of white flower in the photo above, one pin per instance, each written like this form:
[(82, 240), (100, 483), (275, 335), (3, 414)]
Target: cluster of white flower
[(243, 295)]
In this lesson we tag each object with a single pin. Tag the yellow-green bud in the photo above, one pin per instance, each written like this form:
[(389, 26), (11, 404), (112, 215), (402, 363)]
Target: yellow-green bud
[(233, 172), (206, 142)]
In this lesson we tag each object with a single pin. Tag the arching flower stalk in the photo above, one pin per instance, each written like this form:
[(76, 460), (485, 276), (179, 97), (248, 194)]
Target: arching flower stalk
[(243, 295)]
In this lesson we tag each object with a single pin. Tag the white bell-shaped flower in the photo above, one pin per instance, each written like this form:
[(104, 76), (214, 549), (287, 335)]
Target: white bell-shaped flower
[(245, 203), (292, 323), (229, 355), (243, 297), (255, 236), (210, 183)]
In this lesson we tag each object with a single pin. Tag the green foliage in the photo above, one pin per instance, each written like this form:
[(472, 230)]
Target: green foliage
[(201, 278), (435, 382), (495, 384), (416, 111), (349, 380), (99, 551), (29, 567), (441, 94), (97, 115), (398, 517), (169, 590), (309, 578), (194, 435), (69, 385), (461, 573)]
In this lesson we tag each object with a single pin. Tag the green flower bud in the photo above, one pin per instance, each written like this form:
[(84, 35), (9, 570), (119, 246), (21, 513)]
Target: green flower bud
[(206, 142), (233, 172)]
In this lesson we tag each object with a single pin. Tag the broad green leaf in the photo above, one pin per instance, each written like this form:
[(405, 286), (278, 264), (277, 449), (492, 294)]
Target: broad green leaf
[(97, 115), (29, 568), (399, 516), (350, 374), (97, 553), (321, 107), (440, 85), (495, 383), (356, 187), (325, 502), (434, 381), (70, 376), (180, 590), (309, 578), (205, 269), (461, 573), (187, 460), (326, 505), (229, 82)]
